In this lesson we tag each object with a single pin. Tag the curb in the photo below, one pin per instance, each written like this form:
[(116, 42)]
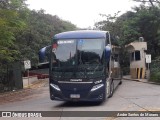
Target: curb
[(137, 80), (37, 84)]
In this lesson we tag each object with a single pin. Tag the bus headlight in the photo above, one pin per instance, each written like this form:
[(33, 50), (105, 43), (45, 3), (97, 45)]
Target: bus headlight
[(97, 87), (55, 87)]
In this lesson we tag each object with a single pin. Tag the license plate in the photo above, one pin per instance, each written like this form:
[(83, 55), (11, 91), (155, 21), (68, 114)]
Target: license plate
[(74, 95)]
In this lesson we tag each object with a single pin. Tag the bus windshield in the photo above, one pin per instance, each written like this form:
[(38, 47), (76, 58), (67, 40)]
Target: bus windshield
[(90, 51), (78, 52)]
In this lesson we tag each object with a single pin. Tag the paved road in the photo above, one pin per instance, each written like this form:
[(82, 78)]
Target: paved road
[(130, 96)]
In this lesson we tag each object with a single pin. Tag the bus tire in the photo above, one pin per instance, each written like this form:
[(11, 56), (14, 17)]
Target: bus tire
[(104, 95), (111, 90), (120, 82)]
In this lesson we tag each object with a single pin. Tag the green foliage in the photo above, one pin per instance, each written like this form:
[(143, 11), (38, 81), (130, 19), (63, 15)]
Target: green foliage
[(149, 24), (41, 28), (155, 73), (10, 23), (143, 21), (23, 32), (152, 3), (155, 77), (155, 70)]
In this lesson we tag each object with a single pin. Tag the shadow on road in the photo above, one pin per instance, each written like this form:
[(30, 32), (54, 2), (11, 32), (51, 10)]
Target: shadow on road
[(79, 104)]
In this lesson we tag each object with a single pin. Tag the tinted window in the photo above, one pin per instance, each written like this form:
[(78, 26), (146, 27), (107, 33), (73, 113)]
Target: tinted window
[(137, 55), (90, 51)]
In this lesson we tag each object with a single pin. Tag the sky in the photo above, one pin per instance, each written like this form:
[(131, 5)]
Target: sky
[(82, 13)]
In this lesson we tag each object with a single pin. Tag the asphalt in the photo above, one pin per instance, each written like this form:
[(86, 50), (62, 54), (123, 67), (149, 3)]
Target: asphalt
[(31, 90)]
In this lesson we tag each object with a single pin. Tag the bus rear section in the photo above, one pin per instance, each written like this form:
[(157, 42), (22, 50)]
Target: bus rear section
[(79, 66)]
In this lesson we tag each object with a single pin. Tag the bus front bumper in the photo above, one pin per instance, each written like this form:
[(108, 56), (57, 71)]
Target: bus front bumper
[(78, 92)]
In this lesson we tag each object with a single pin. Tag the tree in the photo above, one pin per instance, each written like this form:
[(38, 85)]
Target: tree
[(24, 32), (149, 1), (143, 21), (109, 24), (10, 23), (39, 31)]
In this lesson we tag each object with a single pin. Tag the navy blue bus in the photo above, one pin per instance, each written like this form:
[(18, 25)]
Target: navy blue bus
[(83, 66)]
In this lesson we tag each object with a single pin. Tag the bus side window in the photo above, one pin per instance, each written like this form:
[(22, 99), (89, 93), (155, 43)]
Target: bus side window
[(107, 40)]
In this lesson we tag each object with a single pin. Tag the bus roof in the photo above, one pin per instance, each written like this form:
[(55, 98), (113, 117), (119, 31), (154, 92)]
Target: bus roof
[(81, 34)]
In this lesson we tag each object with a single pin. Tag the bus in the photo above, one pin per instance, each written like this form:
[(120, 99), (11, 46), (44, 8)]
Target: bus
[(83, 66)]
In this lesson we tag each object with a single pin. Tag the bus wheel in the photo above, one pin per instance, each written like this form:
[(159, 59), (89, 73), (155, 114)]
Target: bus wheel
[(120, 82), (111, 90), (104, 96)]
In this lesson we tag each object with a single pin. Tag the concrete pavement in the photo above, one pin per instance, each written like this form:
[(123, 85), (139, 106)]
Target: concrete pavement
[(128, 77)]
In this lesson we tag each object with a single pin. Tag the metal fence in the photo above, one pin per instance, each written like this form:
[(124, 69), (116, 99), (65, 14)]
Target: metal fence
[(155, 70), (10, 76)]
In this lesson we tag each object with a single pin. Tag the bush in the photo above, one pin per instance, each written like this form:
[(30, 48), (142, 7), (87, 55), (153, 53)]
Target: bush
[(155, 77), (155, 71)]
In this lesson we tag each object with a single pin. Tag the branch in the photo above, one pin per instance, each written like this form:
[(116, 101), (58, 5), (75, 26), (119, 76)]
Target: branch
[(151, 3), (158, 1)]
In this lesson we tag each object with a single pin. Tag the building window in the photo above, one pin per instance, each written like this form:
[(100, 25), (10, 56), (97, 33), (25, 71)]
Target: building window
[(137, 55)]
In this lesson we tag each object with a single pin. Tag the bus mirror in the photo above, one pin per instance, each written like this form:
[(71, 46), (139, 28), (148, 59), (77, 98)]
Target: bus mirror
[(108, 52), (44, 54)]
